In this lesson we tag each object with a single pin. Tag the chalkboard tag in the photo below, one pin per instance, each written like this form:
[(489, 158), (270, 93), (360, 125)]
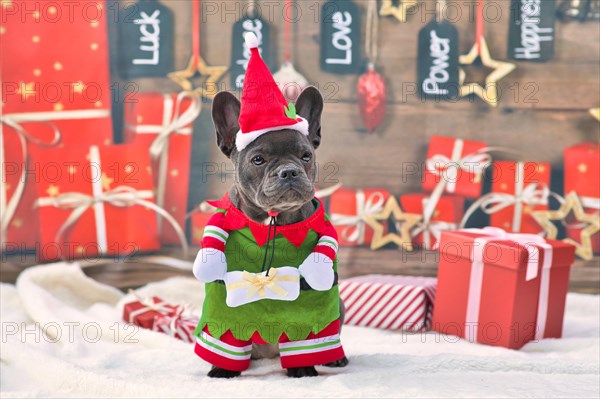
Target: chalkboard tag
[(240, 53), (531, 31), (145, 40), (438, 61), (340, 37)]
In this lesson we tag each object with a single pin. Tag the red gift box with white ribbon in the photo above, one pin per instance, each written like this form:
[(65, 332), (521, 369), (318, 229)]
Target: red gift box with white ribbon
[(582, 173), (518, 189), (99, 203), (455, 166), (144, 311), (162, 124), (56, 92), (444, 214), (501, 289), (347, 209), (388, 302), (177, 325)]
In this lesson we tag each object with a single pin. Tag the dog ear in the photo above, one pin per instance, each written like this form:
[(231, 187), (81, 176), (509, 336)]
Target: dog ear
[(309, 105), (225, 114)]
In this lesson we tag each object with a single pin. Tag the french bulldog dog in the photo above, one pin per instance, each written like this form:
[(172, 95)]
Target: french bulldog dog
[(276, 172)]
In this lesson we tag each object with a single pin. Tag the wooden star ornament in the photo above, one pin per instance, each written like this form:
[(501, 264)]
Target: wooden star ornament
[(399, 11), (407, 222), (595, 112), (572, 204), (208, 89), (489, 93)]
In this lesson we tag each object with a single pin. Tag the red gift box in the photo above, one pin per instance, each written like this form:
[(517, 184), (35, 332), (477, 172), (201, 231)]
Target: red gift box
[(388, 302), (60, 83), (347, 209), (456, 164), (445, 215), (162, 124), (518, 189), (582, 169), (143, 312), (501, 289), (176, 325), (99, 202)]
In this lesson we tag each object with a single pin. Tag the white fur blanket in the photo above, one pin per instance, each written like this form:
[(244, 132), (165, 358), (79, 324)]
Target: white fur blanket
[(98, 357)]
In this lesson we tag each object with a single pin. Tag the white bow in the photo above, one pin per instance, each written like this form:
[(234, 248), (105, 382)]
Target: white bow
[(122, 196), (355, 230)]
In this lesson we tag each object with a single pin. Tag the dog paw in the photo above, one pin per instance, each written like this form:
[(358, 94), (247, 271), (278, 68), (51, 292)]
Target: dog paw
[(299, 372), (217, 372), (343, 362)]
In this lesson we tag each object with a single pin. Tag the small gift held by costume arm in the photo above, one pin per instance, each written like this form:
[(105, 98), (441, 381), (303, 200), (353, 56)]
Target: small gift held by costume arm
[(317, 268), (210, 263)]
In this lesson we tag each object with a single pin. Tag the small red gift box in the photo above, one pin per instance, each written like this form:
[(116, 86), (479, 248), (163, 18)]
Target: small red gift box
[(162, 124), (518, 189), (501, 289), (445, 215), (456, 164), (176, 325), (99, 202), (347, 209), (56, 91), (388, 302), (582, 173), (143, 312)]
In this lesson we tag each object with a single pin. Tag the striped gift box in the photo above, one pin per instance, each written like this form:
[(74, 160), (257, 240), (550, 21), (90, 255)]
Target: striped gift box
[(389, 302), (179, 326)]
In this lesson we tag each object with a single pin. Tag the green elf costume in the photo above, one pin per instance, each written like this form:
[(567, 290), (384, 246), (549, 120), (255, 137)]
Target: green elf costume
[(267, 284)]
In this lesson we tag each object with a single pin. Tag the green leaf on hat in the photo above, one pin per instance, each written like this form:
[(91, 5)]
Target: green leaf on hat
[(290, 111)]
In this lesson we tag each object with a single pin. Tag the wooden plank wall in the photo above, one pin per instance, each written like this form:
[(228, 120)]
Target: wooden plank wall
[(543, 108)]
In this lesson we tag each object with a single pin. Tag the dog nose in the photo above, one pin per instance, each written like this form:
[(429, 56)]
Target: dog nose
[(288, 173)]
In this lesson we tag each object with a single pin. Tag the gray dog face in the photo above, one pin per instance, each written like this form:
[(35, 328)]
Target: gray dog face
[(276, 172)]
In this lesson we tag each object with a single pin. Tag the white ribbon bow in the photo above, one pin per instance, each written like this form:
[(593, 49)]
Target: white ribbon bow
[(121, 196), (449, 168), (356, 226), (532, 194)]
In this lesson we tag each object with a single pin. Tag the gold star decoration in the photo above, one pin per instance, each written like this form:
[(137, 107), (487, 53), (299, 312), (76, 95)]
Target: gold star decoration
[(406, 222), (106, 181), (53, 190), (489, 93), (26, 90), (583, 249), (595, 112), (209, 88), (399, 11)]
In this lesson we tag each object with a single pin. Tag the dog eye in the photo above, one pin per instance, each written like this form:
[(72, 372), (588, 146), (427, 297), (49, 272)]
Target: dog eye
[(306, 157), (258, 160)]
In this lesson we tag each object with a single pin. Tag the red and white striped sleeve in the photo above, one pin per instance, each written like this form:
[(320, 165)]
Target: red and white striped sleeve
[(328, 243), (210, 263), (317, 268)]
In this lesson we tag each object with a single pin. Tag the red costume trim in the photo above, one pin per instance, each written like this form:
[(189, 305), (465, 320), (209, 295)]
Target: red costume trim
[(295, 233)]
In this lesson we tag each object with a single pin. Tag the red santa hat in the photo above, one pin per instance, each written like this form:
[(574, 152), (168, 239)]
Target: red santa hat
[(263, 108)]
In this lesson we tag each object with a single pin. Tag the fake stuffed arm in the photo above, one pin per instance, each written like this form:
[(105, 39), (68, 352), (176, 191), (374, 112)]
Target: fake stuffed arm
[(210, 263), (317, 268)]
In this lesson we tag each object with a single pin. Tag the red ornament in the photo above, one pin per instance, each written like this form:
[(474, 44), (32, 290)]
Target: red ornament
[(371, 98)]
